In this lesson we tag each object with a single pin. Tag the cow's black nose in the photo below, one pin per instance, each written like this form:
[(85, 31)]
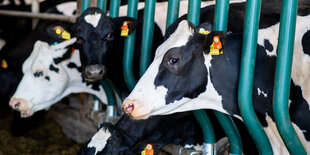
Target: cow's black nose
[(94, 73)]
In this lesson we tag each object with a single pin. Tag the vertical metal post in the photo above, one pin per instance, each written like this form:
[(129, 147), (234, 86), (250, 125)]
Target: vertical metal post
[(102, 4), (283, 77), (246, 77), (147, 35), (173, 11), (35, 8), (114, 8), (129, 47), (228, 125), (108, 88), (85, 4), (201, 116)]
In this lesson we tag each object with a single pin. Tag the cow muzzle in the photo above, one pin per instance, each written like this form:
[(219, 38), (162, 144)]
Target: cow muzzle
[(133, 110), (20, 105), (94, 73)]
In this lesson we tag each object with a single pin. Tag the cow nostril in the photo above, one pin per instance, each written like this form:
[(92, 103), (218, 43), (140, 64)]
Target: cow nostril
[(17, 105), (129, 107)]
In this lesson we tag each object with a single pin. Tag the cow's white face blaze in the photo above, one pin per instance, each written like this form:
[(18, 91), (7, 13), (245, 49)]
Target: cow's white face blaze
[(163, 90)]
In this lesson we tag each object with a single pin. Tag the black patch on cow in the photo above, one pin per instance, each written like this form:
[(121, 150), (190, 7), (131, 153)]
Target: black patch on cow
[(268, 45), (47, 78), (263, 80), (55, 69), (188, 76), (224, 73), (65, 56), (38, 73), (299, 110), (305, 42), (73, 65)]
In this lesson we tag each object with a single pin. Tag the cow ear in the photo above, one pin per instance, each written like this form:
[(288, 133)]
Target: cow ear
[(60, 32), (36, 49), (214, 42), (124, 25)]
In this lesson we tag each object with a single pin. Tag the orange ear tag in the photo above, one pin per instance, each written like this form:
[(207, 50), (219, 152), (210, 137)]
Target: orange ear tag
[(4, 64), (217, 42), (125, 29), (216, 46), (148, 150)]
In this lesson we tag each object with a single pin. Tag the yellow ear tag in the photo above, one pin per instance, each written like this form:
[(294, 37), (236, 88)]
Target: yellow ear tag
[(148, 150), (214, 51), (58, 31), (203, 31), (66, 35), (125, 29), (4, 64)]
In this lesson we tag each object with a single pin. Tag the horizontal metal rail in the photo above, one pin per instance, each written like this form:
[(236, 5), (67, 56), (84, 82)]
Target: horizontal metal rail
[(45, 16)]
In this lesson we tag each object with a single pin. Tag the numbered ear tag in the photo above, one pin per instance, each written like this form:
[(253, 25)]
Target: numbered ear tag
[(214, 51), (125, 29), (203, 31), (4, 64), (65, 35), (215, 48), (148, 150)]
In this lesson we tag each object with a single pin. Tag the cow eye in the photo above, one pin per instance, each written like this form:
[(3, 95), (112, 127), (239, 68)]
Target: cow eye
[(38, 73), (173, 61), (109, 36)]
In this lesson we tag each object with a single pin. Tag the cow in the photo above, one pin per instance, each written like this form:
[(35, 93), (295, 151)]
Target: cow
[(129, 136), (185, 76), (47, 80)]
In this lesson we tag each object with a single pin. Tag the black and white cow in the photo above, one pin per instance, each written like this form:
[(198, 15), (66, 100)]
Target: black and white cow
[(46, 80), (102, 46), (184, 76), (130, 136)]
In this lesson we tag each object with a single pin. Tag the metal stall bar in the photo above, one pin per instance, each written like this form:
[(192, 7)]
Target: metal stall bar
[(129, 47), (283, 77), (46, 16), (173, 12), (228, 125), (246, 77), (114, 8), (111, 107), (102, 4), (200, 115), (35, 8), (85, 4), (147, 35)]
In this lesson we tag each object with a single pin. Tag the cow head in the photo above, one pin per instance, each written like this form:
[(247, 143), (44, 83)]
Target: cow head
[(178, 74), (44, 78), (96, 32)]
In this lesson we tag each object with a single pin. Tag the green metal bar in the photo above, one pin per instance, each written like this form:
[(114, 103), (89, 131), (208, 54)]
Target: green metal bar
[(109, 92), (283, 77), (129, 47), (102, 4), (206, 125), (246, 77), (114, 8), (228, 125), (200, 115), (173, 11), (85, 4), (194, 11), (221, 15), (147, 35)]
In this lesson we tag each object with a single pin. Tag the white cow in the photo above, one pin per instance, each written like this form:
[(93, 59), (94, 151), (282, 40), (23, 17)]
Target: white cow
[(44, 82)]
